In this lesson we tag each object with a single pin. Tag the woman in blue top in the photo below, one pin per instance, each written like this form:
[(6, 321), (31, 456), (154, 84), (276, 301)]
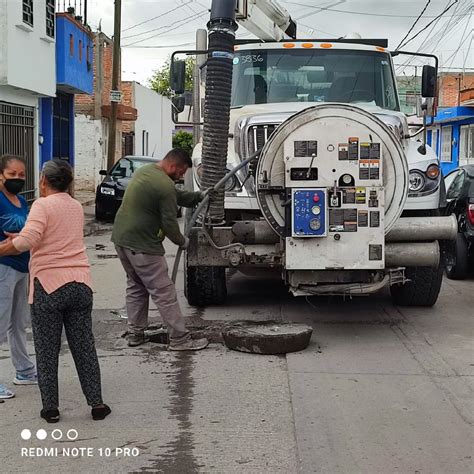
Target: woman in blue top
[(14, 310)]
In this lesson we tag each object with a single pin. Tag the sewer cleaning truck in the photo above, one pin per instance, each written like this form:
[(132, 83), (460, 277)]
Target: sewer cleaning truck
[(316, 174)]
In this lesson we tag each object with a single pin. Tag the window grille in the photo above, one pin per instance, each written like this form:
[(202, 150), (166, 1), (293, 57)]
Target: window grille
[(28, 12)]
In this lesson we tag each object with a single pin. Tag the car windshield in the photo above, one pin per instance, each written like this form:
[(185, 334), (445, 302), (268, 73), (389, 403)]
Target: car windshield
[(125, 167), (313, 75)]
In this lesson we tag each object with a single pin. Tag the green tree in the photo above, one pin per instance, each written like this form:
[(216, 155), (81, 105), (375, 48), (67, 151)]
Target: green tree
[(160, 80), (184, 140)]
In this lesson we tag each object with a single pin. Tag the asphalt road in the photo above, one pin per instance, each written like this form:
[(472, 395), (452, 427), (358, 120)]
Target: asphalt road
[(379, 389)]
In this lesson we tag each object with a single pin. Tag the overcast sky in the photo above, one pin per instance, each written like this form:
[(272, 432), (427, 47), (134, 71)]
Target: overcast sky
[(153, 29)]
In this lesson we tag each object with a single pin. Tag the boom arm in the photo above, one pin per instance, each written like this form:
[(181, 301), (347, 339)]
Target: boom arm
[(266, 19)]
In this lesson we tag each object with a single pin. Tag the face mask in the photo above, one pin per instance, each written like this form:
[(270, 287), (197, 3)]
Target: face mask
[(14, 185)]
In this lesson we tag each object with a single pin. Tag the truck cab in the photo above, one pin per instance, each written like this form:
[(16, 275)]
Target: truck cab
[(272, 81)]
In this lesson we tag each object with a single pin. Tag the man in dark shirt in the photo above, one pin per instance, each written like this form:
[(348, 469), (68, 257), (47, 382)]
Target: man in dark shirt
[(147, 215)]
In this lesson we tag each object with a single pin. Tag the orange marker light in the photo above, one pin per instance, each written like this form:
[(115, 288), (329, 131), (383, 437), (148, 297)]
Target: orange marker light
[(288, 45), (382, 50), (326, 45), (307, 45)]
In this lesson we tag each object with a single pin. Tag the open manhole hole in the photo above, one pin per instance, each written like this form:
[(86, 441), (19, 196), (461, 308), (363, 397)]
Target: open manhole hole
[(269, 337)]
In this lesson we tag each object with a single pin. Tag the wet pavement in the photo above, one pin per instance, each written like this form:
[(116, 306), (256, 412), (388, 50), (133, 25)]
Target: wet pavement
[(379, 389)]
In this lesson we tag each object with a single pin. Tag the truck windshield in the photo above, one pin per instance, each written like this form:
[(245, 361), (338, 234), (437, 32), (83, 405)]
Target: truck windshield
[(307, 75)]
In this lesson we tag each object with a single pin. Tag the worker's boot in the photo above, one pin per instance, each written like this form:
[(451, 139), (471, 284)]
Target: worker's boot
[(185, 343), (137, 339)]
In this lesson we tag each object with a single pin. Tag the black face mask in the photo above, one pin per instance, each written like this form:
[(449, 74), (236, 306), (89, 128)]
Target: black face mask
[(14, 185)]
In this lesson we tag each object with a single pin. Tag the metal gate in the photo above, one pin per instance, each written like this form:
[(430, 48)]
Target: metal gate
[(17, 126)]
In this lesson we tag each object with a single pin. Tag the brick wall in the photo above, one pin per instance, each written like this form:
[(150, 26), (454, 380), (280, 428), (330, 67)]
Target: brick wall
[(90, 106), (450, 87), (102, 68), (128, 99)]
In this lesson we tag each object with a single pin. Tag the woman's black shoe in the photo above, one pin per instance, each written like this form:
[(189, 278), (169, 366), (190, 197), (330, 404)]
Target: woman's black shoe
[(99, 413), (51, 416)]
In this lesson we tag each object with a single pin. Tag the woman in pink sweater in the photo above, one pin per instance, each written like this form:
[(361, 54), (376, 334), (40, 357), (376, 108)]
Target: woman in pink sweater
[(60, 288)]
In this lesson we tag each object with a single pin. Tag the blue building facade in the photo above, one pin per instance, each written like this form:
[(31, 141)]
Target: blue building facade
[(451, 135), (74, 75)]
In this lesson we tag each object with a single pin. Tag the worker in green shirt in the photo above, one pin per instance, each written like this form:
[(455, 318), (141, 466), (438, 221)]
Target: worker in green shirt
[(147, 215)]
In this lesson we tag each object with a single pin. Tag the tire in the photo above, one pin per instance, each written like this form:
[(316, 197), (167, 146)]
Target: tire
[(205, 286), (100, 215), (422, 289), (459, 270)]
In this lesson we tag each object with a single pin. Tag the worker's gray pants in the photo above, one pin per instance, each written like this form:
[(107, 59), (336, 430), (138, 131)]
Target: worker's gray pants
[(147, 275), (15, 316)]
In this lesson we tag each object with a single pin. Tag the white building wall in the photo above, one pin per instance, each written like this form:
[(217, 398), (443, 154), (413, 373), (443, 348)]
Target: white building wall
[(153, 127), (27, 54), (89, 152)]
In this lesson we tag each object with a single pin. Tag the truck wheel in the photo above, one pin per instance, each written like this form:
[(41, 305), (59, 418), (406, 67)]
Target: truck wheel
[(205, 286), (458, 270), (422, 289)]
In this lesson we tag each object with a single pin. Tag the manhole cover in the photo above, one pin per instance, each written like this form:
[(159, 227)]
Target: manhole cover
[(270, 337)]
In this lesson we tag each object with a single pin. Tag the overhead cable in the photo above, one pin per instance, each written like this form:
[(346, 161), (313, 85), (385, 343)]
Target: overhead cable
[(429, 24), (356, 13), (414, 24), (154, 18)]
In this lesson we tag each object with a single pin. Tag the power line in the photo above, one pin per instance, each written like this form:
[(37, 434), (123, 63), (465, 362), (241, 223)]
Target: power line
[(154, 18), (440, 34), (448, 22), (155, 29), (467, 54), (174, 26), (429, 24), (459, 47), (414, 24), (159, 46), (357, 13)]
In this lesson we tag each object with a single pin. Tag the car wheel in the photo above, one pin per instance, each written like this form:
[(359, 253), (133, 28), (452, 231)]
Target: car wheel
[(458, 270), (100, 215)]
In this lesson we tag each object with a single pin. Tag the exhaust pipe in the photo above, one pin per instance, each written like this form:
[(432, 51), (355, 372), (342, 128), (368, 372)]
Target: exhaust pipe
[(254, 232), (397, 254), (412, 254), (409, 229)]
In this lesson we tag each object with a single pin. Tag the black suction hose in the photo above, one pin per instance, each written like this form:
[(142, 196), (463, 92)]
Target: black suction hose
[(217, 100), (204, 203)]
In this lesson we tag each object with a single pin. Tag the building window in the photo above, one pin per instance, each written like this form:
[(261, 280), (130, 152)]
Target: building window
[(50, 18), (434, 140), (80, 51), (446, 138), (88, 57), (17, 136), (28, 12), (62, 126), (466, 145), (71, 45)]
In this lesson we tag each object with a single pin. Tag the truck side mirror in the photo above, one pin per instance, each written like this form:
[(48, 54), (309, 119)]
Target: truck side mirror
[(178, 103), (178, 76), (428, 81)]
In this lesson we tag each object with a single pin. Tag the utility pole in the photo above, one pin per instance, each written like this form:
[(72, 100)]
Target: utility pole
[(112, 142)]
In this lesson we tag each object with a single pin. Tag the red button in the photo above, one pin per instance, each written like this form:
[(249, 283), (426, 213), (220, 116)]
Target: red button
[(315, 198)]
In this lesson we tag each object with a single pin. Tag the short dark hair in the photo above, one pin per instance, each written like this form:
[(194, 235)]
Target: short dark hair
[(58, 174), (6, 159), (179, 156)]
